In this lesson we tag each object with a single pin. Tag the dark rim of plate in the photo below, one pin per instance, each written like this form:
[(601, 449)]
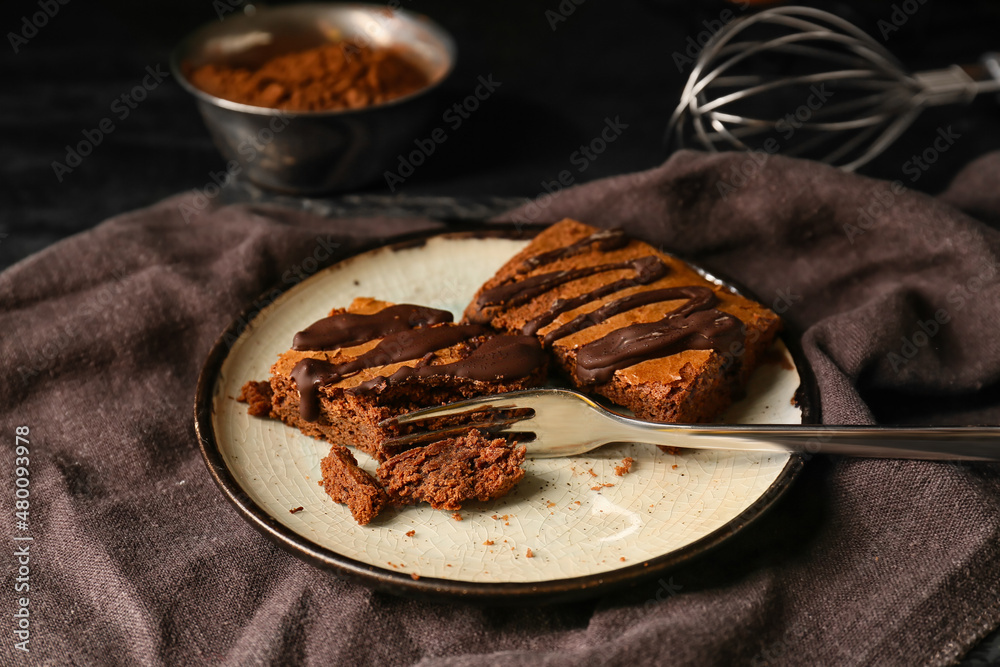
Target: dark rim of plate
[(506, 593)]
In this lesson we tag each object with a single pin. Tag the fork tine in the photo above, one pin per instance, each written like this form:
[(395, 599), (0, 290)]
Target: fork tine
[(507, 401), (399, 444)]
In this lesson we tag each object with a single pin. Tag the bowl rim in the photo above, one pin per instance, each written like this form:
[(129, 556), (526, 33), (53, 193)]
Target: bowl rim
[(445, 38)]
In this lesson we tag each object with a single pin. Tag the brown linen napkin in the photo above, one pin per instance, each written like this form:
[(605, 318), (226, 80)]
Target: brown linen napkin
[(136, 558)]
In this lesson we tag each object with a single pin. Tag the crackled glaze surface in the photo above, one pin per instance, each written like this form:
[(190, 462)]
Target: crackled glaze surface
[(575, 515)]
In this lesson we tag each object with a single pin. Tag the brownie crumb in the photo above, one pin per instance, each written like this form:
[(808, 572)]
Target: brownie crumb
[(673, 467), (348, 484), (625, 467), (414, 576), (411, 533), (258, 396), (592, 473), (488, 543), (669, 450), (601, 486), (456, 516), (530, 554), (622, 559), (550, 504), (295, 510)]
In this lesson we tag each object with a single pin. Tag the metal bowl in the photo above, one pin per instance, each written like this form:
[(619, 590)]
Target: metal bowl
[(303, 152)]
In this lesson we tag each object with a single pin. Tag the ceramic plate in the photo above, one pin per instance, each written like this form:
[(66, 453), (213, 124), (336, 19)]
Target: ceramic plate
[(588, 529)]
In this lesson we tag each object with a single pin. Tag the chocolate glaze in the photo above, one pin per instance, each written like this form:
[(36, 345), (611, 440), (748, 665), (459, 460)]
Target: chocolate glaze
[(521, 291), (497, 358), (694, 325), (647, 270), (346, 329), (699, 298), (606, 239), (310, 374), (710, 329)]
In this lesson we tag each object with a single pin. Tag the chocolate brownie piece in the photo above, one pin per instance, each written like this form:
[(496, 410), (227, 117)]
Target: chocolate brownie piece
[(348, 484), (628, 322), (449, 472), (258, 395), (375, 360)]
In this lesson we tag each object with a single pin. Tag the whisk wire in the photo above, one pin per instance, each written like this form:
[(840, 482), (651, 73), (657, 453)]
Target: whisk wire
[(842, 55)]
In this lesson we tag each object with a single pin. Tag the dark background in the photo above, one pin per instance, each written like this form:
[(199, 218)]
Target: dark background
[(606, 60)]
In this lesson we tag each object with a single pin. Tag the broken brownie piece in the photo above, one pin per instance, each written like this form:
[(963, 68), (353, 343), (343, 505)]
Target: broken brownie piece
[(374, 360), (628, 322), (258, 395), (448, 472), (348, 484)]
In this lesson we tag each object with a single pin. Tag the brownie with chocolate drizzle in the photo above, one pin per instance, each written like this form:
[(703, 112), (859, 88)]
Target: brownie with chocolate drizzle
[(373, 360), (628, 322)]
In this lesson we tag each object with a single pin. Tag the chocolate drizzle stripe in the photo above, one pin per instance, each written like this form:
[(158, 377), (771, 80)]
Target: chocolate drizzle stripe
[(698, 298), (310, 374), (497, 358), (346, 329), (522, 291), (710, 329), (606, 239), (647, 270)]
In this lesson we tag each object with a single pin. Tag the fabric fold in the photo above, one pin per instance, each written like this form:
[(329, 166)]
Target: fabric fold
[(895, 297)]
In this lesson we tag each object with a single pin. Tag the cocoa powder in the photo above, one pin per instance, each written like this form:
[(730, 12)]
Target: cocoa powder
[(331, 77)]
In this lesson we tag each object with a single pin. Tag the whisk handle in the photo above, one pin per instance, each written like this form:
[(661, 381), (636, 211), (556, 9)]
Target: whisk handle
[(958, 84)]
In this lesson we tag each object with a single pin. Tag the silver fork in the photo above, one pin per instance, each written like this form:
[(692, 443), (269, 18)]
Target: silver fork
[(558, 422)]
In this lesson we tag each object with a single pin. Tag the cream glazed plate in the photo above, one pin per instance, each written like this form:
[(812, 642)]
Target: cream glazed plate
[(588, 529)]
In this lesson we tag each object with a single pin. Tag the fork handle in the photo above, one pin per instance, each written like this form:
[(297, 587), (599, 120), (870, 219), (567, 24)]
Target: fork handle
[(942, 443)]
